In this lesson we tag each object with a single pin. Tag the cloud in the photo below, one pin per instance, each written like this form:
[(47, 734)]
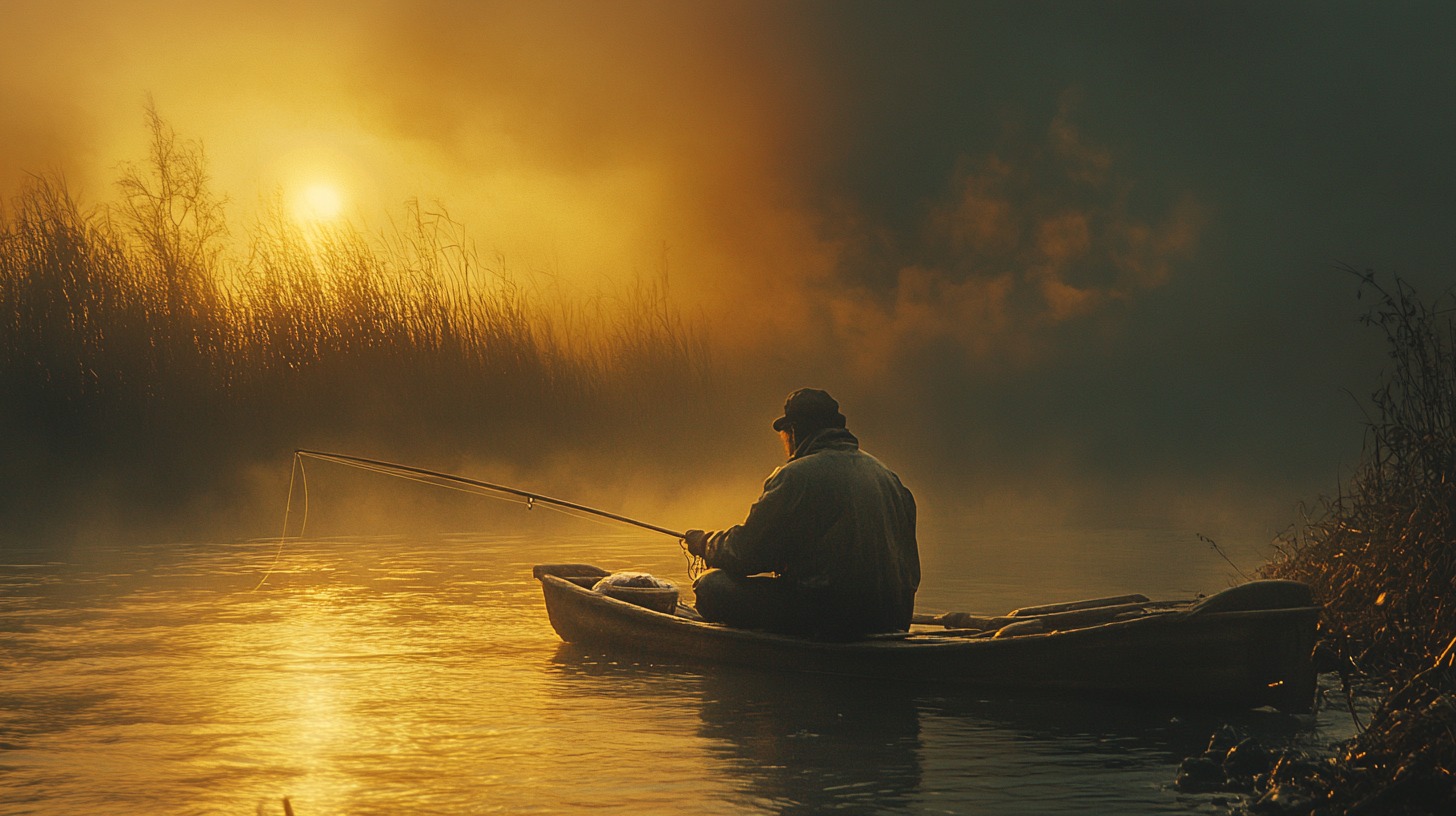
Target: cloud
[(1035, 236)]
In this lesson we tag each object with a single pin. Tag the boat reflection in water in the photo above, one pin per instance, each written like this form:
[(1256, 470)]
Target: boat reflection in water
[(779, 744), (815, 744), (795, 743)]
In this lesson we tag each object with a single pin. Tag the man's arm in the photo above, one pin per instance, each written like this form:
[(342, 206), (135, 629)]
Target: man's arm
[(756, 545)]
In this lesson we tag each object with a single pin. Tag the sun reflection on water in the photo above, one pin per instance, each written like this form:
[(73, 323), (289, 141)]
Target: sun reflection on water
[(394, 676)]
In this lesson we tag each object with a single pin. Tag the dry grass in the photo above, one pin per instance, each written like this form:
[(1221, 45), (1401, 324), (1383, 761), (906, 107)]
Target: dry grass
[(1381, 556), (147, 329)]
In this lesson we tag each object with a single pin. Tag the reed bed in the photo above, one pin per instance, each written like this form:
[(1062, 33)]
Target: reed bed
[(147, 328), (1381, 557)]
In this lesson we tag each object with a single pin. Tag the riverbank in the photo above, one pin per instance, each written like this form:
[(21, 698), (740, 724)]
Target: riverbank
[(1381, 557)]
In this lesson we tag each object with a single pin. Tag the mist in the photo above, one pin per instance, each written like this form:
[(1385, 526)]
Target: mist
[(1062, 266)]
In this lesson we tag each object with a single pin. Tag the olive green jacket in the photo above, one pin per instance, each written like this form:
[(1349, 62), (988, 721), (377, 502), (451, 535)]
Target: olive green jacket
[(837, 524)]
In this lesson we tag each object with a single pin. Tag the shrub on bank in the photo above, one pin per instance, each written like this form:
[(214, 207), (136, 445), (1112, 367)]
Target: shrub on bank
[(1381, 557)]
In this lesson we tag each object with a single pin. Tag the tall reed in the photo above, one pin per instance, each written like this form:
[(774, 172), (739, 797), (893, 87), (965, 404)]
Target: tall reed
[(148, 326)]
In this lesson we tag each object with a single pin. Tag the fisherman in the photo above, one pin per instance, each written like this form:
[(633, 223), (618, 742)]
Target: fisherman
[(834, 527)]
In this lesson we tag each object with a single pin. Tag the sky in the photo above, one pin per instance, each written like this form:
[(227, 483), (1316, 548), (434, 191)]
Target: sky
[(1082, 253)]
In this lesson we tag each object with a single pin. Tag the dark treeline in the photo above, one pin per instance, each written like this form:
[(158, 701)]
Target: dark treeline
[(1381, 557), (147, 351)]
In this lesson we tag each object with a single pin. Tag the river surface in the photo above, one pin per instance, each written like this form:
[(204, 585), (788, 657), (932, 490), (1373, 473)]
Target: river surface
[(418, 675)]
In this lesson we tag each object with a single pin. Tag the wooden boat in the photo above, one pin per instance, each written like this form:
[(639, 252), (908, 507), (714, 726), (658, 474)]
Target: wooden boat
[(1248, 646)]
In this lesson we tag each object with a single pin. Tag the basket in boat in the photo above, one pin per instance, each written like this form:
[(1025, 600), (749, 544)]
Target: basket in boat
[(640, 589), (658, 599)]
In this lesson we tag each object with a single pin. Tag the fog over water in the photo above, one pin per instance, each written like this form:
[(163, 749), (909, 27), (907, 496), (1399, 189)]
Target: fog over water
[(1079, 259), (1073, 270)]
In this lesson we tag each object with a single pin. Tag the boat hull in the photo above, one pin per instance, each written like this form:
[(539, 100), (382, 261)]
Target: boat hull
[(1239, 658)]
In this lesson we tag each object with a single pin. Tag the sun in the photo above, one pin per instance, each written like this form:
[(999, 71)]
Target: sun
[(319, 201)]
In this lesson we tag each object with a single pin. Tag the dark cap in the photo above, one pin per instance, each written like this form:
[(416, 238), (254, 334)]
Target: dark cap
[(810, 408)]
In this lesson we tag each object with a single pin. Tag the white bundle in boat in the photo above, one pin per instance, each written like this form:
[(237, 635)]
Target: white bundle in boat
[(632, 579), (639, 588)]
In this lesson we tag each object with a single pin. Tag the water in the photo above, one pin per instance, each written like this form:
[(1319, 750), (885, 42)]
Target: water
[(420, 675)]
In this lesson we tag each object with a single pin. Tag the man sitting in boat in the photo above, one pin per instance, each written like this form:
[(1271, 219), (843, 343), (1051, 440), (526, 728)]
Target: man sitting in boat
[(834, 527)]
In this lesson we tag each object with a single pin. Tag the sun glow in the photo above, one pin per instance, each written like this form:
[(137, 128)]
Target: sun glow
[(319, 201)]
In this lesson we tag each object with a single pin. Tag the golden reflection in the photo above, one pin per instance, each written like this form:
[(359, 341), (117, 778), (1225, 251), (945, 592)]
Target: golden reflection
[(313, 724)]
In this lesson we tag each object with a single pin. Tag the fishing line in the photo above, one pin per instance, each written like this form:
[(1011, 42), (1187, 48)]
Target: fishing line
[(294, 472), (696, 566), (1214, 545)]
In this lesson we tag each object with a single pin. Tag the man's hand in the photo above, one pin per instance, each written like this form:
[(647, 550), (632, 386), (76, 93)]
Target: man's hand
[(697, 541)]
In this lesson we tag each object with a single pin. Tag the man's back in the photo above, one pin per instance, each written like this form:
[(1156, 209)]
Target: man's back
[(840, 527)]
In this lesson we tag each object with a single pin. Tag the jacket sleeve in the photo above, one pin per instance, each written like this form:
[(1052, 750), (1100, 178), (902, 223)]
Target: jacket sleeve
[(759, 543)]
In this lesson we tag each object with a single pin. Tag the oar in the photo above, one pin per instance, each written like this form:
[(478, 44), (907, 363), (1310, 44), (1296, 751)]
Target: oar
[(407, 472), (1073, 613)]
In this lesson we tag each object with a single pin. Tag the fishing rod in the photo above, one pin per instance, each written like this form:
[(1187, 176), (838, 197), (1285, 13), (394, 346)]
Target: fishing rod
[(407, 472)]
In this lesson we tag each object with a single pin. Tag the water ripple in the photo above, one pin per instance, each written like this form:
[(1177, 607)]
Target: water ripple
[(398, 676)]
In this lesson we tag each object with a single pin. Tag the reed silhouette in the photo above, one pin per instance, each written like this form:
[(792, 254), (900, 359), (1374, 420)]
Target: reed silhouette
[(147, 348)]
